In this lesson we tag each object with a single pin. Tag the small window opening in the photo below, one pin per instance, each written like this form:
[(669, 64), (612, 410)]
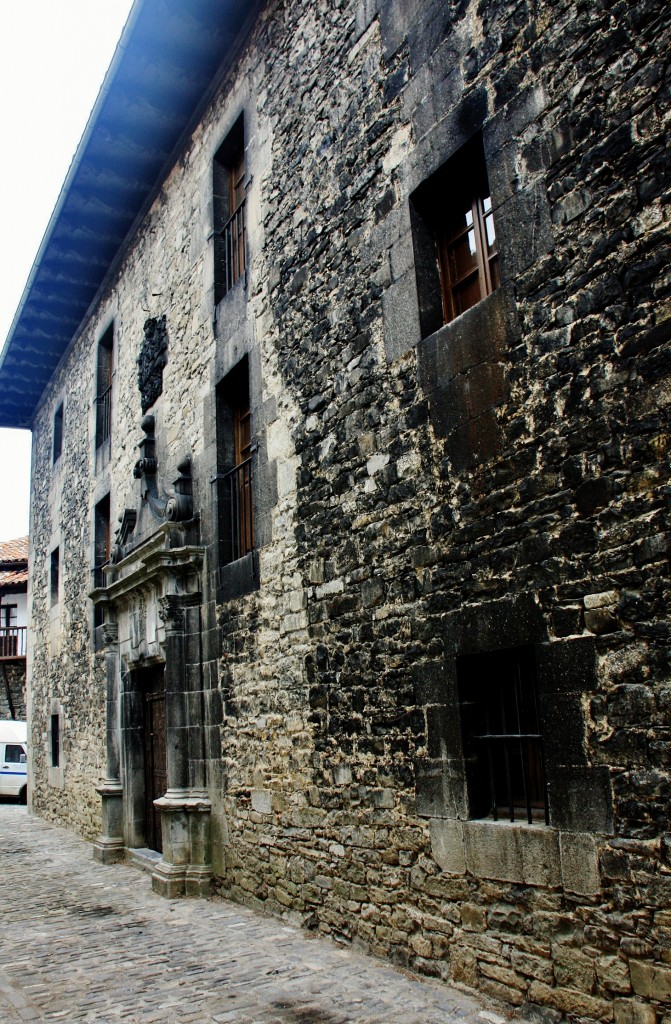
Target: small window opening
[(55, 741), (104, 388), (454, 237), (12, 639), (234, 465), (102, 551), (503, 745), (8, 615), (58, 433), (54, 575), (230, 226)]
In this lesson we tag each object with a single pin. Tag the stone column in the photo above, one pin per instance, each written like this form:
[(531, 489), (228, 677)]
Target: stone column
[(184, 866), (173, 614), (109, 846)]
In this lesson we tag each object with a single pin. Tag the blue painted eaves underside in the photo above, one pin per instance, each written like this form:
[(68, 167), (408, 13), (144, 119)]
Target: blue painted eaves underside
[(164, 64)]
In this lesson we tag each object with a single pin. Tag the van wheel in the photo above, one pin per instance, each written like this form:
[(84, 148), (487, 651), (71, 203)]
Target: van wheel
[(23, 795)]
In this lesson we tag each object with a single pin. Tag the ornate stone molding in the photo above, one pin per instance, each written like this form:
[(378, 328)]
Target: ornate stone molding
[(172, 609)]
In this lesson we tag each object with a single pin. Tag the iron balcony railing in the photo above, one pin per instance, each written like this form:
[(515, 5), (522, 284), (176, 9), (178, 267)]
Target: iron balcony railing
[(236, 497), (13, 642), (232, 245)]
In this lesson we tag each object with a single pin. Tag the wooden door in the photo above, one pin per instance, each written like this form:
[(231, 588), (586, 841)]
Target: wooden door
[(155, 757)]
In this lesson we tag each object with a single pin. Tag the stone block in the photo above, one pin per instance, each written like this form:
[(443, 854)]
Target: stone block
[(489, 625), (652, 981), (463, 966), (613, 974), (563, 727), (630, 1011), (535, 967), (579, 863), (473, 918), (447, 845), (572, 968), (571, 1001), (580, 798), (524, 226), (440, 788), (401, 316), (512, 853), (482, 334), (567, 666), (262, 801)]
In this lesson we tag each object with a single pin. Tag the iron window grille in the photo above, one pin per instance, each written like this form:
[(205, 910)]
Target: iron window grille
[(104, 388), (503, 742), (236, 495), (230, 219), (235, 453)]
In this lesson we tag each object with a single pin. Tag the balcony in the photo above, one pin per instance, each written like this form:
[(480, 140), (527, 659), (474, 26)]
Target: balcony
[(12, 642)]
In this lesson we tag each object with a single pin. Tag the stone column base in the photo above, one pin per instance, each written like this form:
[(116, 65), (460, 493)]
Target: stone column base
[(168, 880), (109, 847), (198, 881), (108, 851), (184, 867)]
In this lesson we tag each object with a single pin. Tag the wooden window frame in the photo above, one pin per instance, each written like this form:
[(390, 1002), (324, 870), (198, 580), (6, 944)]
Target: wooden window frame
[(485, 267), (439, 215), (104, 380), (229, 212), (235, 462), (101, 553)]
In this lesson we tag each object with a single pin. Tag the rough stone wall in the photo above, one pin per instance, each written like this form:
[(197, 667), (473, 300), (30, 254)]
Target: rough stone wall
[(504, 480), (421, 490), (13, 690), (64, 675)]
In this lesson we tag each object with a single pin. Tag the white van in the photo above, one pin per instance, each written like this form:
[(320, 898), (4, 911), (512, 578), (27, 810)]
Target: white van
[(14, 760)]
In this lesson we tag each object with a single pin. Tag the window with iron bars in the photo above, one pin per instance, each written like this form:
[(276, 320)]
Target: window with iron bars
[(230, 227), (101, 527), (235, 498), (503, 744), (104, 388)]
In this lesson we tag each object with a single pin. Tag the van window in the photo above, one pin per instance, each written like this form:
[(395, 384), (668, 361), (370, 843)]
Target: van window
[(13, 753)]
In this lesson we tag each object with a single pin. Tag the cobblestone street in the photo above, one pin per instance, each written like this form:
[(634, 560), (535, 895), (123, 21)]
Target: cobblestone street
[(82, 942)]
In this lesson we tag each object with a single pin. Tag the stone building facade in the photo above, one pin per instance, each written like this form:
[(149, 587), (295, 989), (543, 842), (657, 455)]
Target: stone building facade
[(355, 546)]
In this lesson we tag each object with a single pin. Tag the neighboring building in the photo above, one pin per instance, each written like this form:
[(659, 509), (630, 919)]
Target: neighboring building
[(347, 361), (13, 628)]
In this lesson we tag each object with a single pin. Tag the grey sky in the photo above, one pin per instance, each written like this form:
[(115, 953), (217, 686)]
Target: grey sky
[(53, 58)]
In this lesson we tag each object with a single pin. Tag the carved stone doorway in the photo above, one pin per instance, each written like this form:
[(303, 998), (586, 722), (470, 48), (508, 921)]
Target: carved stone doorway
[(152, 686)]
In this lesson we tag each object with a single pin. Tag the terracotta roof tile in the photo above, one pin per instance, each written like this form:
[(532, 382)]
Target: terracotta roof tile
[(14, 550)]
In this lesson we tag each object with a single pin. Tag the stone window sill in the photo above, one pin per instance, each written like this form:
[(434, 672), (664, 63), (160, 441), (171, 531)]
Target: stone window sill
[(516, 852)]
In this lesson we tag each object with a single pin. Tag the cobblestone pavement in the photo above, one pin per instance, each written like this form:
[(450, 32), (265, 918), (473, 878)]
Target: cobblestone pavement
[(82, 942)]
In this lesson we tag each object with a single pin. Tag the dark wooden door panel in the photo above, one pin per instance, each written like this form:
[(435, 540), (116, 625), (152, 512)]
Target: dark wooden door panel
[(155, 755)]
